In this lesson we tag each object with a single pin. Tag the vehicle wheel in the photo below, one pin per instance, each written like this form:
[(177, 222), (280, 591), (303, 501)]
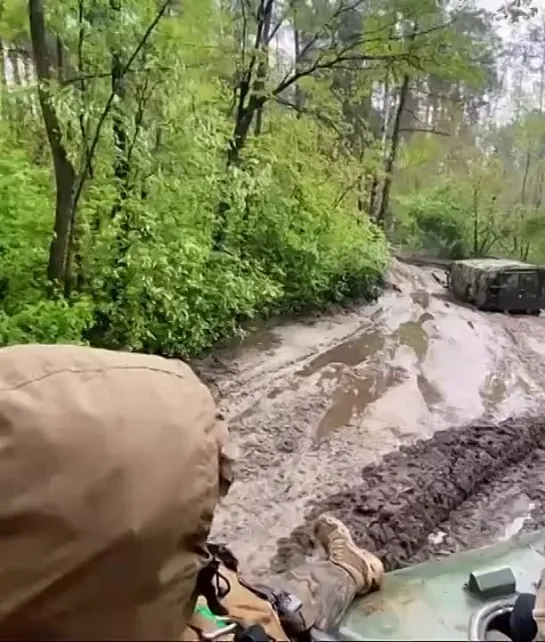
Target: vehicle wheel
[(536, 313)]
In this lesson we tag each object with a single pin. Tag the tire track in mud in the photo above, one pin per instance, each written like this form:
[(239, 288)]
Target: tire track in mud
[(239, 386), (445, 483)]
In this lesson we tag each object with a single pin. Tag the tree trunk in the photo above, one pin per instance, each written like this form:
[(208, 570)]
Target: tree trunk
[(251, 99), (3, 82), (300, 52), (65, 175), (298, 93), (121, 164), (383, 215), (13, 57), (525, 175), (384, 127), (475, 220), (264, 64), (542, 70)]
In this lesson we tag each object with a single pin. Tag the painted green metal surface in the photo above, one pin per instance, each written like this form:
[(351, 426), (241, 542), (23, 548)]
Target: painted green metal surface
[(429, 601)]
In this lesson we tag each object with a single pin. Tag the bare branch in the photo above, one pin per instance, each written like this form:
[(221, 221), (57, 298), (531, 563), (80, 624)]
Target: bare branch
[(426, 131), (317, 65), (345, 55)]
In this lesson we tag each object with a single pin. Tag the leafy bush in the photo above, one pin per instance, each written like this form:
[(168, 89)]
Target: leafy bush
[(150, 278), (48, 321), (437, 221), (26, 215)]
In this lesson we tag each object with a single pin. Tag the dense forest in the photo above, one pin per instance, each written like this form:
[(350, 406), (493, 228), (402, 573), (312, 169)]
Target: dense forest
[(172, 169)]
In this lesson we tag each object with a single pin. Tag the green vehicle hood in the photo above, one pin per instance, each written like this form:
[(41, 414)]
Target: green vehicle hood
[(429, 601)]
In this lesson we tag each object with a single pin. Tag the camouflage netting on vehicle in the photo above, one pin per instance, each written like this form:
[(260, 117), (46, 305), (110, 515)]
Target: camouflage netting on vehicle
[(471, 279)]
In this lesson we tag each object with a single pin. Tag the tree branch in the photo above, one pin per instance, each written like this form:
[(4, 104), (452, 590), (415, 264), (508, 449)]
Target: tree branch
[(107, 107), (92, 148), (317, 66), (310, 112), (423, 129)]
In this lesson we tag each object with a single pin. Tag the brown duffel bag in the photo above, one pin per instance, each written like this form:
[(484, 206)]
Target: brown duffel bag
[(111, 466)]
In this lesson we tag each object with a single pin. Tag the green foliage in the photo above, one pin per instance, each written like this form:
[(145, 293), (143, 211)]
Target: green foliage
[(287, 248), (148, 276), (436, 221), (456, 198), (25, 213), (47, 321), (203, 203)]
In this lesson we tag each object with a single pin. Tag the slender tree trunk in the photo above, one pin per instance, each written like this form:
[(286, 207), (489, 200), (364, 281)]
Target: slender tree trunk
[(525, 176), (538, 187), (3, 81), (383, 215), (13, 57), (374, 205), (475, 220), (121, 164), (264, 63), (297, 89), (2, 64), (65, 175), (519, 83), (297, 36), (542, 70), (428, 105), (250, 100)]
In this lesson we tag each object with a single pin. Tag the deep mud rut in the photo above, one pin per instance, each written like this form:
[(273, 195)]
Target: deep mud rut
[(389, 416)]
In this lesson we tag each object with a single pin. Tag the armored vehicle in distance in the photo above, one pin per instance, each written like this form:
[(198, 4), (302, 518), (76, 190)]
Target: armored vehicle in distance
[(499, 284)]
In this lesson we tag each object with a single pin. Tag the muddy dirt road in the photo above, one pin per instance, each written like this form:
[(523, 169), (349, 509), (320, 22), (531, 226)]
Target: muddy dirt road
[(315, 406)]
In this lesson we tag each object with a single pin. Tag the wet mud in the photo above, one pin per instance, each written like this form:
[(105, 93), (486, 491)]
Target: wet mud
[(313, 403), (438, 496)]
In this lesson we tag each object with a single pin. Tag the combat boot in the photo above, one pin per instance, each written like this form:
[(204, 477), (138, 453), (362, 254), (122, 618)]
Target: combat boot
[(366, 569)]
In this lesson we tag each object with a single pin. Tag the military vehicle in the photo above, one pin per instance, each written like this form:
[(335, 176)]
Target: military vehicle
[(499, 284), (458, 597)]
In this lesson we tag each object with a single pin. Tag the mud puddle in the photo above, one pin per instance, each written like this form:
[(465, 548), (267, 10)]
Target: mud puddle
[(312, 403)]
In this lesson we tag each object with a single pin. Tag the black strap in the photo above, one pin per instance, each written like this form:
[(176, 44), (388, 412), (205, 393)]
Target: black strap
[(224, 555), (208, 576), (252, 633), (208, 585)]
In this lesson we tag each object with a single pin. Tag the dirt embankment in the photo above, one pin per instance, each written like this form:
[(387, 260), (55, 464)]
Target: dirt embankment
[(326, 413)]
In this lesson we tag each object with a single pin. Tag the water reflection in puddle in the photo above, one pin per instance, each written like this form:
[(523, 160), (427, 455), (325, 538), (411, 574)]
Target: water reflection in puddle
[(494, 390), (376, 348), (520, 511), (412, 334), (355, 351), (501, 384), (352, 395), (350, 353)]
